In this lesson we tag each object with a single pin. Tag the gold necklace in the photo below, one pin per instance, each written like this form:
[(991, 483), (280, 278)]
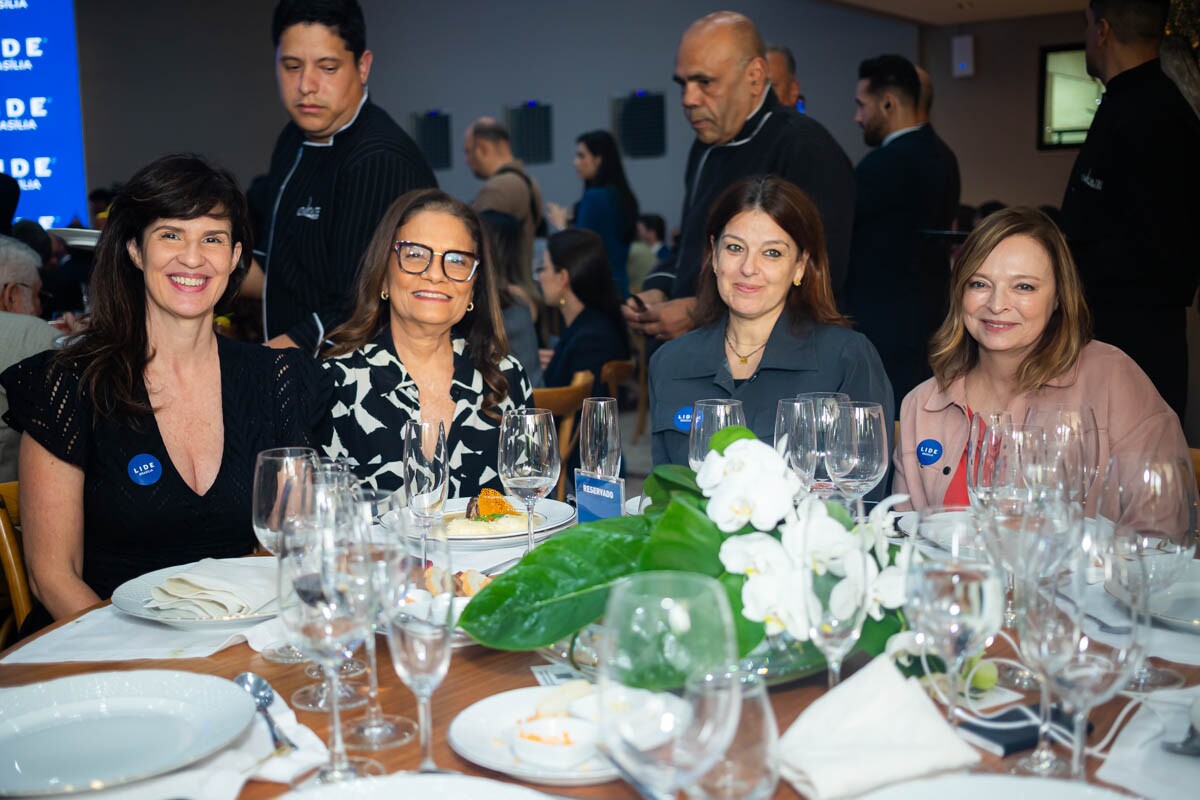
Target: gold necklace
[(742, 358)]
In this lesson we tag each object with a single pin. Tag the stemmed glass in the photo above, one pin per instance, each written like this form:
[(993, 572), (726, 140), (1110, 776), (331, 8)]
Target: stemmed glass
[(380, 510), (857, 449), (825, 409), (426, 471), (1152, 504), (283, 479), (981, 454), (835, 587), (666, 631), (708, 417), (955, 595), (600, 437), (529, 459), (327, 603), (796, 437), (749, 768), (420, 627), (1065, 423)]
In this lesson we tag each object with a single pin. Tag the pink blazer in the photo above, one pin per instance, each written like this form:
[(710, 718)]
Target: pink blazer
[(1130, 414)]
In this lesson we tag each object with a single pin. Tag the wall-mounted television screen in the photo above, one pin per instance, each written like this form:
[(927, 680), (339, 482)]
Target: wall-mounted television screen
[(1067, 97)]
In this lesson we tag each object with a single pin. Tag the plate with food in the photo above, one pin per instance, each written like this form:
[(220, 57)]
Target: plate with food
[(492, 520), (467, 584)]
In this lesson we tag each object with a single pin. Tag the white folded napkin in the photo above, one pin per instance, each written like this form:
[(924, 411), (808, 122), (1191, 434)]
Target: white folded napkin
[(218, 588), (876, 728), (1137, 761), (106, 634), (1178, 646), (222, 775)]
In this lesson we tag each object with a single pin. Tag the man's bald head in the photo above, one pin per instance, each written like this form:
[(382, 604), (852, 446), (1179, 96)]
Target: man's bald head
[(721, 67)]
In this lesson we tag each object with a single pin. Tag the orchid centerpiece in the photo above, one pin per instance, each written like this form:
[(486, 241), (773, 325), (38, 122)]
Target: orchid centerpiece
[(742, 519)]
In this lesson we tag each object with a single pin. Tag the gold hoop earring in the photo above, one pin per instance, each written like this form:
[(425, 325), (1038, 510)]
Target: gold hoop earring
[(470, 306), (384, 295)]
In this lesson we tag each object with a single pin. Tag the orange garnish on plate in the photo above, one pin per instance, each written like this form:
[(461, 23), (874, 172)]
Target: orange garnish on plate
[(492, 502)]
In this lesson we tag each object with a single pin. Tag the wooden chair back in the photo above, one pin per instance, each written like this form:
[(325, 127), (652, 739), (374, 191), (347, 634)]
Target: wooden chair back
[(13, 562), (614, 373), (564, 402)]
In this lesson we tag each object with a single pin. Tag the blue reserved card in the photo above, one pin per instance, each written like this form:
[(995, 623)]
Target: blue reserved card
[(598, 498)]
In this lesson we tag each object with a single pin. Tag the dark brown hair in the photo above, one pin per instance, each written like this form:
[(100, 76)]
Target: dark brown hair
[(953, 352), (115, 348), (792, 210), (483, 326)]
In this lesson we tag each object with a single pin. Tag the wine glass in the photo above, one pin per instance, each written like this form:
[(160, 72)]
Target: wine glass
[(426, 469), (327, 603), (749, 768), (529, 459), (955, 595), (600, 437), (1152, 504), (857, 449), (981, 444), (665, 631), (1071, 423), (376, 730), (420, 627), (283, 479), (796, 437), (708, 417), (825, 409), (835, 587)]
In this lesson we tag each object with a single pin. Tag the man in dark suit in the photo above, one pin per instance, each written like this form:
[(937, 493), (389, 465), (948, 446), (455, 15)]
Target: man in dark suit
[(897, 286)]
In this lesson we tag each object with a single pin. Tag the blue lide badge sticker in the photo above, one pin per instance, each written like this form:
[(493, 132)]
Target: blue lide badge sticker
[(597, 497), (929, 451), (144, 469), (683, 420)]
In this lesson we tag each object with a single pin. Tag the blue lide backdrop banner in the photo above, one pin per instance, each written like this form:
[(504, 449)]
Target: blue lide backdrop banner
[(41, 120)]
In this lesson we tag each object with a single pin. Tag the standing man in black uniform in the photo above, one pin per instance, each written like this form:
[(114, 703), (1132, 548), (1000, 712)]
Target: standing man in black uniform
[(1131, 205), (741, 130), (336, 168)]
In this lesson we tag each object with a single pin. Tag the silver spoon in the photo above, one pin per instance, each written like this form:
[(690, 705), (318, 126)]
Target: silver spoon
[(258, 688)]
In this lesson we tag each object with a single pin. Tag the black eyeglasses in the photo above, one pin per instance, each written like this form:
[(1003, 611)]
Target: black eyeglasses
[(415, 258)]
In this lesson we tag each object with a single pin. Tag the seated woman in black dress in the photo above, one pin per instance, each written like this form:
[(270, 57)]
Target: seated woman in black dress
[(575, 276), (425, 341), (139, 439), (767, 327)]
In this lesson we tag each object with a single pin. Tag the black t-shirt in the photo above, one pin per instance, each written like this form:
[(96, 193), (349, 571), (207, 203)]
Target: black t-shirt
[(139, 514)]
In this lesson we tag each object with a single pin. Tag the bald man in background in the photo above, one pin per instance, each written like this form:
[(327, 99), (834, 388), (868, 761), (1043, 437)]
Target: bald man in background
[(741, 130), (781, 71)]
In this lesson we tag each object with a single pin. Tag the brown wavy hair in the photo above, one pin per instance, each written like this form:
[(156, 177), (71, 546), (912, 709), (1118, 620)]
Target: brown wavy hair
[(952, 351), (791, 209), (482, 327), (115, 348)]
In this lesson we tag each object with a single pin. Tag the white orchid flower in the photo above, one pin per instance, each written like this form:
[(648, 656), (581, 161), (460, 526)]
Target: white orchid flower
[(753, 554), (772, 599), (881, 524), (817, 536), (761, 499), (711, 472), (903, 646)]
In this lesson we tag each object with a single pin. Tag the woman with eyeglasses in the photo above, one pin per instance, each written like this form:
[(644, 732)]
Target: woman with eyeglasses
[(425, 341)]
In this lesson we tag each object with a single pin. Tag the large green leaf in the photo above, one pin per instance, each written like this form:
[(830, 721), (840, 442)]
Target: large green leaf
[(875, 635), (684, 539), (668, 478), (727, 436), (558, 588)]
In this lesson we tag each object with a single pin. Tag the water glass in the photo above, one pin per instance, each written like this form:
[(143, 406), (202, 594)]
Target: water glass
[(825, 411), (529, 458), (708, 417), (749, 768), (796, 437), (600, 437)]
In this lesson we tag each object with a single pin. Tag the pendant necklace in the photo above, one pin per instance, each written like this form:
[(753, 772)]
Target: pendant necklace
[(743, 359)]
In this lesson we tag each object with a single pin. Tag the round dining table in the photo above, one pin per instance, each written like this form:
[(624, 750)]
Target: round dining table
[(475, 673)]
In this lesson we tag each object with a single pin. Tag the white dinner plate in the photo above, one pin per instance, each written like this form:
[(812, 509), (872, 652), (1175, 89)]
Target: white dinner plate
[(906, 522), (993, 787), (102, 729), (131, 596), (482, 731), (1177, 606), (407, 784), (549, 517)]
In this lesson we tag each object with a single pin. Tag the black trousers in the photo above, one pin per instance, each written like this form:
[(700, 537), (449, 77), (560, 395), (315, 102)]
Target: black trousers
[(1153, 336)]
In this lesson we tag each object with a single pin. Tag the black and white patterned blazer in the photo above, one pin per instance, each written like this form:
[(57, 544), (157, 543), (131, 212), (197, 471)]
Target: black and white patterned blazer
[(373, 396)]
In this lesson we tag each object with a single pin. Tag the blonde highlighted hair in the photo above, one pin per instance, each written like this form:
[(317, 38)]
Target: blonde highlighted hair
[(953, 352)]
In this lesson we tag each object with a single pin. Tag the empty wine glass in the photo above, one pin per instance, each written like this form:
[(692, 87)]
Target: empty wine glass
[(426, 470), (283, 479), (529, 458), (835, 589), (1071, 423), (955, 595), (420, 627), (749, 768), (327, 603), (666, 631), (857, 449), (600, 437), (825, 411), (796, 437), (1152, 504), (708, 417), (981, 446)]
